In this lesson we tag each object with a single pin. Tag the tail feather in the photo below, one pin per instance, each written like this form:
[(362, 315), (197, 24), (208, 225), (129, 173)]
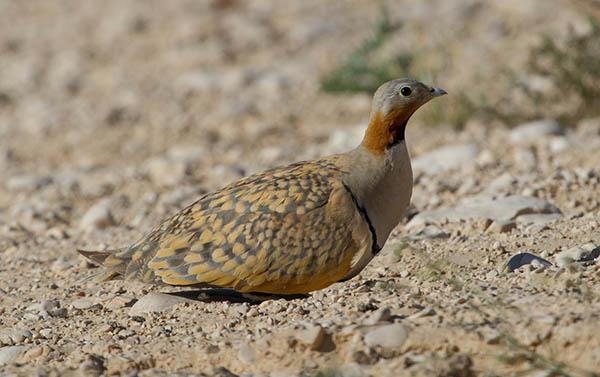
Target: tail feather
[(96, 257), (99, 258)]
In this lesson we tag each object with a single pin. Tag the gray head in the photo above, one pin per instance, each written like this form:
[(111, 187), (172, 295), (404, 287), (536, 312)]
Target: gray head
[(393, 104)]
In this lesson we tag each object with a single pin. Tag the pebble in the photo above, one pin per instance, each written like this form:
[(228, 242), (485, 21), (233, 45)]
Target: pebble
[(165, 172), (559, 144), (576, 254), (490, 335), (535, 131), (446, 158), (30, 183), (46, 333), (538, 218), (502, 226), (429, 232), (314, 336), (246, 354), (10, 354), (391, 336), (98, 216), (84, 304), (501, 184), (506, 208), (380, 315), (61, 264), (427, 312), (156, 302), (9, 337)]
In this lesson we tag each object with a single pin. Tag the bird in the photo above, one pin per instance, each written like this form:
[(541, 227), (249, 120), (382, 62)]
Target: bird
[(292, 229)]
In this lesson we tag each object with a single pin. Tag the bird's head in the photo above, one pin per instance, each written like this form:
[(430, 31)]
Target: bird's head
[(393, 104)]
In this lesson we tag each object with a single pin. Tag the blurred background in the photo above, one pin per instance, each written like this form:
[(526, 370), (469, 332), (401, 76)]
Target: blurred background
[(86, 84), (117, 113), (153, 102)]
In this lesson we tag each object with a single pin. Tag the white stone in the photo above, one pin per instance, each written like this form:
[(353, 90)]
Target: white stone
[(156, 302), (380, 315), (484, 207), (165, 172), (559, 144), (577, 253), (446, 158), (246, 354), (388, 336), (10, 353), (27, 182), (98, 216), (538, 219), (314, 336), (83, 304)]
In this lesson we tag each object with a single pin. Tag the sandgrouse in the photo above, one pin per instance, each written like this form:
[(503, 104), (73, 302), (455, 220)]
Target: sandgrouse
[(291, 229)]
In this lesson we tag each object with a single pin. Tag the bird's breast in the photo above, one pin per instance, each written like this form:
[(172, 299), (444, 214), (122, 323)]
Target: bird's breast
[(387, 204)]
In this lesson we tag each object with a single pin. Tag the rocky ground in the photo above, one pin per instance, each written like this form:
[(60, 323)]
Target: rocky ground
[(115, 114)]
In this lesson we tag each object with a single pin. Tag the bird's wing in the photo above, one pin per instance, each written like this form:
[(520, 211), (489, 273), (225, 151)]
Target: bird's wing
[(288, 230)]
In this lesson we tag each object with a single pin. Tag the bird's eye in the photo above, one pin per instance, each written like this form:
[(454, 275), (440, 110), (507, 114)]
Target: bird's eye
[(405, 91)]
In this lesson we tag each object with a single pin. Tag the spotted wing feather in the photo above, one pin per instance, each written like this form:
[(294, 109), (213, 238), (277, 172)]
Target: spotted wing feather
[(288, 230)]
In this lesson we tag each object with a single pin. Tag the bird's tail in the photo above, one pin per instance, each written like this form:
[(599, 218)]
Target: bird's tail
[(96, 257), (112, 271)]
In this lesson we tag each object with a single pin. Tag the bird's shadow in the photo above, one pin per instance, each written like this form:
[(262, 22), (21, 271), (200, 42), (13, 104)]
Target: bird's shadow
[(230, 295)]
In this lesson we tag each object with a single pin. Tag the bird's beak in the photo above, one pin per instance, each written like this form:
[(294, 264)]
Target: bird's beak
[(437, 92)]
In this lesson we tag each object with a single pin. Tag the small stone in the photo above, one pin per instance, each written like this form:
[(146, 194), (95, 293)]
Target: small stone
[(20, 183), (502, 226), (430, 232), (93, 365), (586, 252), (492, 274), (46, 333), (485, 207), (391, 336), (246, 354), (380, 315), (559, 144), (538, 219), (49, 305), (427, 312), (314, 336), (118, 302), (98, 216), (84, 304), (10, 354), (14, 336), (165, 172), (490, 335), (61, 264), (446, 158), (156, 302), (59, 312)]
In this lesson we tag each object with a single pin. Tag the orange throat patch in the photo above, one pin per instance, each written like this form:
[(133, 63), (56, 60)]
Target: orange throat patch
[(384, 131)]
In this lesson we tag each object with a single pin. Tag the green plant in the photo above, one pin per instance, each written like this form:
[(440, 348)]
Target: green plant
[(569, 73), (361, 72), (365, 70)]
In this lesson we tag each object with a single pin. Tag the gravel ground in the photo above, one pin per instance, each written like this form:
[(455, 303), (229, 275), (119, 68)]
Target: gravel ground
[(115, 114)]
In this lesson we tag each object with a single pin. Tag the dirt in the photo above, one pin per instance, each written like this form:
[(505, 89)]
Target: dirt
[(133, 109)]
